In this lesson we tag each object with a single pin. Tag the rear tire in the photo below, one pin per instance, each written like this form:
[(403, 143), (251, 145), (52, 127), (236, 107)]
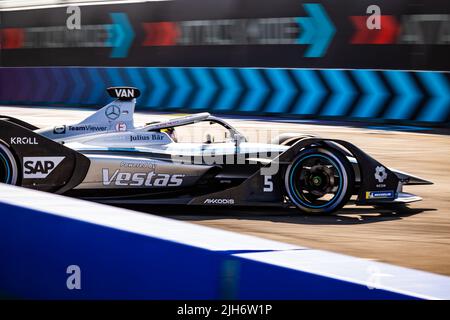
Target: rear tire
[(319, 180), (8, 166)]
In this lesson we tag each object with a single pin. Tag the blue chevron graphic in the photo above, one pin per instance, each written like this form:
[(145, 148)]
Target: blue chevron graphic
[(98, 86), (175, 86), (60, 85), (231, 89), (22, 85), (284, 91), (87, 84), (121, 35), (68, 79), (306, 35), (136, 80), (43, 86), (114, 77), (317, 31), (32, 85), (407, 95), (312, 94), (374, 93), (159, 87), (29, 82), (206, 90), (77, 89), (258, 90), (183, 88), (38, 85), (342, 93), (438, 109)]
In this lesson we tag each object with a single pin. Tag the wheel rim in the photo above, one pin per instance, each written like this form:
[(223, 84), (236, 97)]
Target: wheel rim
[(316, 181), (8, 167)]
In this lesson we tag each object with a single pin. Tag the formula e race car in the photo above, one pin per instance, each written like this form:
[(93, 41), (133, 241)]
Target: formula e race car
[(105, 158)]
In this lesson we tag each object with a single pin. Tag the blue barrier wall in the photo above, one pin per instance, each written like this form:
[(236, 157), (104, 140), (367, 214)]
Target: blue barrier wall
[(401, 96), (128, 255), (36, 249)]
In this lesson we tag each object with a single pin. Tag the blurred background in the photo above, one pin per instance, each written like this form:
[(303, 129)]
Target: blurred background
[(290, 58)]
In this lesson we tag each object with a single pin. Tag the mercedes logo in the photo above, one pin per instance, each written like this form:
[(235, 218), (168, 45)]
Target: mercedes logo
[(112, 112)]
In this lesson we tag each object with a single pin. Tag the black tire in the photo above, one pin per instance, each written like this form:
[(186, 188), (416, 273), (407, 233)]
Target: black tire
[(319, 180), (9, 172)]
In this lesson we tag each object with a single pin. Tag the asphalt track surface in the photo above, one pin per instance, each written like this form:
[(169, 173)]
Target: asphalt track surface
[(417, 236)]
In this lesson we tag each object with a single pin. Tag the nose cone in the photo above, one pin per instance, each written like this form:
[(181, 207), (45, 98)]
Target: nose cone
[(408, 179)]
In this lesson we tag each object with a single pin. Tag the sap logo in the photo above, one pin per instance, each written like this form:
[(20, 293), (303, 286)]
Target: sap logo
[(124, 93), (39, 167), (24, 140), (59, 130), (219, 201), (148, 179)]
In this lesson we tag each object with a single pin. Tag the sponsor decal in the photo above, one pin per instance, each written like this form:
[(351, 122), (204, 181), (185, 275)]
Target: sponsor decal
[(138, 179), (124, 93), (380, 194), (59, 130), (87, 127), (138, 164), (24, 140), (39, 167), (380, 174), (219, 201), (121, 126), (148, 137), (112, 112)]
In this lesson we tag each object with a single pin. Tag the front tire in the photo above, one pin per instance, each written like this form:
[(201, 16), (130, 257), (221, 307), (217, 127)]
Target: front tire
[(319, 180)]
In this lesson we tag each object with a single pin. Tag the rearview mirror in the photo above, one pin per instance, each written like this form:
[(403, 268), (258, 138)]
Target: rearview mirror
[(238, 139)]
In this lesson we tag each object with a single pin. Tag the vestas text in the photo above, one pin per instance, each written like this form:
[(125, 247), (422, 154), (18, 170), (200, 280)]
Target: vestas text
[(138, 179)]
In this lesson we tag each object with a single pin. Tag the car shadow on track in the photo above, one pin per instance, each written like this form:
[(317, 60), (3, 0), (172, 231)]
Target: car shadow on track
[(346, 216)]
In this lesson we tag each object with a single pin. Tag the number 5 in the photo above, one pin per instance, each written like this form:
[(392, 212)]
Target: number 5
[(268, 184)]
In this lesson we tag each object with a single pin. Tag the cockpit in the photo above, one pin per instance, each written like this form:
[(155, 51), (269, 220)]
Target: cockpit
[(201, 127)]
